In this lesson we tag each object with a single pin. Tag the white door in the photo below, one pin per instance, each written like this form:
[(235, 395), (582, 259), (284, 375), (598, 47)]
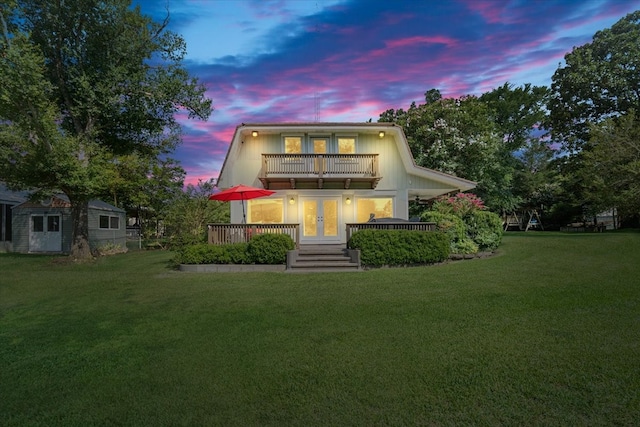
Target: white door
[(321, 220), (45, 233)]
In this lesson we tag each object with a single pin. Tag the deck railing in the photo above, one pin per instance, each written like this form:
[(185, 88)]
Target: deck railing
[(220, 234), (361, 165), (389, 225)]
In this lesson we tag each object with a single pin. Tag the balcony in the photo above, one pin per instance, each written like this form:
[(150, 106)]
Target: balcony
[(318, 171)]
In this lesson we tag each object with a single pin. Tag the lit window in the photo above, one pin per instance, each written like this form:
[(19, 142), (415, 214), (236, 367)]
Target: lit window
[(380, 207), (265, 211), (292, 144), (346, 145)]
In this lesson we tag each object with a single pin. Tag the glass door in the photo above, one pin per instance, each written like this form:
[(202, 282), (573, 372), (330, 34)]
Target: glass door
[(320, 220), (320, 148)]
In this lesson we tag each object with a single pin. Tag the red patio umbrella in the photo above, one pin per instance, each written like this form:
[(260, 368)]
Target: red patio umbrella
[(242, 193)]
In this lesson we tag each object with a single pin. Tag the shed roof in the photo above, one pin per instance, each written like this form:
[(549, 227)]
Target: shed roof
[(12, 197)]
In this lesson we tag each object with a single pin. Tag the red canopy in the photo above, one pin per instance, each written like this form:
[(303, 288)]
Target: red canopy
[(240, 192)]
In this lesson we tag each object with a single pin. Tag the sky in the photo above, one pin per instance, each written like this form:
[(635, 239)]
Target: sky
[(350, 60)]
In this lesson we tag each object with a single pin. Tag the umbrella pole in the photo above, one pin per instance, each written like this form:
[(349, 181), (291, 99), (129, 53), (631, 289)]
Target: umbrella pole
[(244, 216)]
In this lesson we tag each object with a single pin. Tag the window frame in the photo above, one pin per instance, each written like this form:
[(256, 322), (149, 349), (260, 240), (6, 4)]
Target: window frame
[(109, 219)]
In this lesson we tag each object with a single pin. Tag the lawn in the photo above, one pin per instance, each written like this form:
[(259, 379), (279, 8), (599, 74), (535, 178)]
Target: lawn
[(547, 332)]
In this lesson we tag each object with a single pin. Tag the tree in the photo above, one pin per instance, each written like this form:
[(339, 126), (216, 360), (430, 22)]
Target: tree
[(612, 165), (600, 80), (457, 136), (518, 113), (191, 211), (83, 83)]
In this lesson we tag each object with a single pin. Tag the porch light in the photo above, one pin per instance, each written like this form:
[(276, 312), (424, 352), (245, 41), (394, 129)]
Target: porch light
[(381, 134), (292, 201), (254, 133), (348, 201)]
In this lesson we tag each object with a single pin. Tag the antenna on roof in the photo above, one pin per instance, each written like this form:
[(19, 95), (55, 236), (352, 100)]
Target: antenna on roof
[(315, 93)]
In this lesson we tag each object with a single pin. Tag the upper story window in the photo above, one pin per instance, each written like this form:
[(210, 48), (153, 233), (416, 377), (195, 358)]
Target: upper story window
[(298, 144), (346, 145), (293, 144)]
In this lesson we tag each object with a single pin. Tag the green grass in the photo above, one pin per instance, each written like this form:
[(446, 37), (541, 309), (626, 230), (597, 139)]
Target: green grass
[(545, 333)]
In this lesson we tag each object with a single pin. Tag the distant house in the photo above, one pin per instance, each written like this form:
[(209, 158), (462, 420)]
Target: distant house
[(326, 175), (45, 227), (8, 199)]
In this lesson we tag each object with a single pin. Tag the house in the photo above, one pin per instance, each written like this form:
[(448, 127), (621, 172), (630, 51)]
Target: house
[(8, 199), (328, 175), (46, 227)]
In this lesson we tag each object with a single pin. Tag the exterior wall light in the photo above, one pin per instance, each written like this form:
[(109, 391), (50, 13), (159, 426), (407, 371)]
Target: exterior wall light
[(292, 201), (348, 201), (381, 134), (254, 133)]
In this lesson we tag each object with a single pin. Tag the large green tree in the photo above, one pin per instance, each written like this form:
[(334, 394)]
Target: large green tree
[(476, 137), (599, 80), (83, 82), (599, 84), (611, 165)]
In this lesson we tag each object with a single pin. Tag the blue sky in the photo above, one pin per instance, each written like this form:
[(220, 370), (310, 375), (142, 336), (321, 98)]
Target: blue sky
[(350, 60)]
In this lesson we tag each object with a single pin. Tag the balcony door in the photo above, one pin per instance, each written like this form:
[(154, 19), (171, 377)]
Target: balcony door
[(320, 219)]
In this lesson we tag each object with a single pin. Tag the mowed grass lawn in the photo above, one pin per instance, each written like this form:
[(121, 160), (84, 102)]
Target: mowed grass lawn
[(547, 332)]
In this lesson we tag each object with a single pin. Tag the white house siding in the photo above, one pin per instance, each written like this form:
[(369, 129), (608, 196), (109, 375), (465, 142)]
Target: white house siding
[(401, 179)]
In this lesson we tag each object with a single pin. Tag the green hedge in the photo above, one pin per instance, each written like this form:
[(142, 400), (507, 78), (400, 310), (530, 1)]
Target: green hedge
[(270, 248), (262, 249), (400, 247)]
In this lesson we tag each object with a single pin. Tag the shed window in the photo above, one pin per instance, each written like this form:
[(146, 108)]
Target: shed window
[(109, 222)]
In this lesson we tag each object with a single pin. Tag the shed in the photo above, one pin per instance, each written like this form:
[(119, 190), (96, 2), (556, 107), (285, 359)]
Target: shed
[(46, 227)]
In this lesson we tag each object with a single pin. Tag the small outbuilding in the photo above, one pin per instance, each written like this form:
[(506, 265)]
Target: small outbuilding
[(46, 227)]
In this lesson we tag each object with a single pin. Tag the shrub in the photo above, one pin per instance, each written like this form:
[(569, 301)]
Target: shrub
[(399, 247), (450, 224), (485, 229), (468, 225), (204, 253), (461, 204), (270, 248)]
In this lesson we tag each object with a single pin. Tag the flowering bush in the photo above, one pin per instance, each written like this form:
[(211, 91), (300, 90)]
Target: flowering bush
[(461, 204), (464, 219)]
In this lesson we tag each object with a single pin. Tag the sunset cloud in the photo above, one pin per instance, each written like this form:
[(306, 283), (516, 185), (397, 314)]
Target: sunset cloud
[(350, 60)]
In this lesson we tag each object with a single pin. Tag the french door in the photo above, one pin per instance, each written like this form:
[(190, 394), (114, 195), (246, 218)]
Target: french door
[(320, 220), (45, 233)]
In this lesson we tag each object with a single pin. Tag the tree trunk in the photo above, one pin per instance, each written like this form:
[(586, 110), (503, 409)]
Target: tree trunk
[(80, 248)]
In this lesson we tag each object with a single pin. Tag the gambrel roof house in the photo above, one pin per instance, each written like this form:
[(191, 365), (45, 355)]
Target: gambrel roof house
[(326, 175)]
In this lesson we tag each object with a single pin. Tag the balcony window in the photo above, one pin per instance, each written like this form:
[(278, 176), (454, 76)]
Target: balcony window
[(292, 144), (346, 145)]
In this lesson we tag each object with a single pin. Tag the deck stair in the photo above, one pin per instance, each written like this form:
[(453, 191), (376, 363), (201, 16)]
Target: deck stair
[(323, 258)]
